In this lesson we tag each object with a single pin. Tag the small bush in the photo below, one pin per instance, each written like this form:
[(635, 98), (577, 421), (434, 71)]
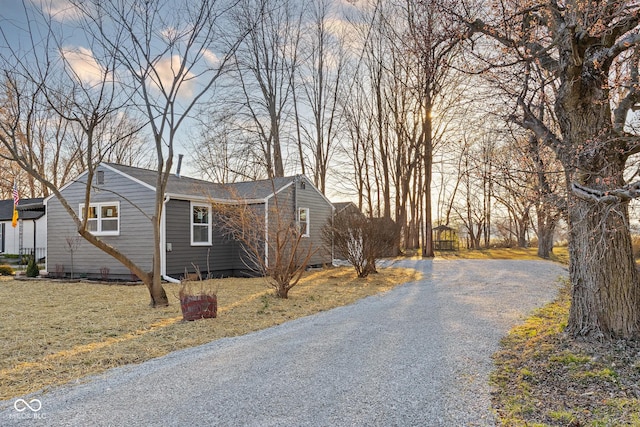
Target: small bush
[(6, 270), (32, 268), (361, 240)]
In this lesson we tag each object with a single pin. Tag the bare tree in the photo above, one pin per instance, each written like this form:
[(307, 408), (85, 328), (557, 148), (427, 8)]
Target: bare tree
[(592, 50), (222, 153), (171, 60), (48, 82), (473, 179), (277, 250), (265, 62), (141, 55), (321, 69), (47, 140), (436, 37)]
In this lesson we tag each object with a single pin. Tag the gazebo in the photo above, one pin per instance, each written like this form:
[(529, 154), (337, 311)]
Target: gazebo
[(445, 239)]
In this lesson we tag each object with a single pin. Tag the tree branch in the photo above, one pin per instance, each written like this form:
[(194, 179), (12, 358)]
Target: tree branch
[(606, 56), (623, 194), (535, 50), (542, 132)]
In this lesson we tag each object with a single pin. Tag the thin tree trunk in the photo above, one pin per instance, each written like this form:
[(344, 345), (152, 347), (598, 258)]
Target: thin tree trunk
[(546, 229)]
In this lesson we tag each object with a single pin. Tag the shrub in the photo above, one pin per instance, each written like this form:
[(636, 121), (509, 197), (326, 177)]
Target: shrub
[(6, 270), (32, 268), (361, 240)]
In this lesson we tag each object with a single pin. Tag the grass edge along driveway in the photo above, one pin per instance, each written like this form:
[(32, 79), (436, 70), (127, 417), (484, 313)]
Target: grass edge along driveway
[(52, 333)]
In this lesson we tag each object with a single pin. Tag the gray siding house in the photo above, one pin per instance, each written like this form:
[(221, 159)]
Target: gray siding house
[(122, 202)]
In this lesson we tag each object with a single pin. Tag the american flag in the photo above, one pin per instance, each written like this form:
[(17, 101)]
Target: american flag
[(16, 197)]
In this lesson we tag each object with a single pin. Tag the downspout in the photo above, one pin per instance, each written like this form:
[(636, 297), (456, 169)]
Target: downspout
[(333, 238), (295, 200), (35, 256), (46, 228), (163, 244), (266, 232)]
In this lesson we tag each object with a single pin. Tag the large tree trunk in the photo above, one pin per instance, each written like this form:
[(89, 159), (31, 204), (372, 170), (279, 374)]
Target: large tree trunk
[(605, 289)]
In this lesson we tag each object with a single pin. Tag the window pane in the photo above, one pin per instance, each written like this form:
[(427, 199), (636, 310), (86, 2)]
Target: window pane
[(200, 233), (109, 212), (200, 215), (93, 212), (92, 224), (303, 221), (109, 225)]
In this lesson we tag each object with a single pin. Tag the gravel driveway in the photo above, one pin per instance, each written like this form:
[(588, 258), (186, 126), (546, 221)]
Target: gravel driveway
[(418, 355)]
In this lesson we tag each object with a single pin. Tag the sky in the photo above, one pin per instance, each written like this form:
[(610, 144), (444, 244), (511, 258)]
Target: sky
[(83, 62), (18, 33)]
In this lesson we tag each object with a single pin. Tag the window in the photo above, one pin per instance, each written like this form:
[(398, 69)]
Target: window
[(2, 237), (303, 221), (200, 225), (103, 219)]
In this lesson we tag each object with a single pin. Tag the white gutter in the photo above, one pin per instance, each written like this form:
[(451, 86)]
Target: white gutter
[(208, 199), (163, 244)]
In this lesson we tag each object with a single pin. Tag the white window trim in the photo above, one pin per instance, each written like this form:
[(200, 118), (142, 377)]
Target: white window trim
[(209, 223), (99, 206), (308, 222)]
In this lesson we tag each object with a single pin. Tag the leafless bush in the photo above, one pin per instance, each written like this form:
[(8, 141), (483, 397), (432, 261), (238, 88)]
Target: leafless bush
[(360, 240), (280, 252)]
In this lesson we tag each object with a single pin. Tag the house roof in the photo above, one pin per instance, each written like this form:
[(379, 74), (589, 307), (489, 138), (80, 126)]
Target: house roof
[(27, 209), (443, 227), (340, 206), (184, 186)]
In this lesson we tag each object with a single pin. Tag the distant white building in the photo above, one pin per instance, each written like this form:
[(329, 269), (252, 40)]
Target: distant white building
[(31, 231)]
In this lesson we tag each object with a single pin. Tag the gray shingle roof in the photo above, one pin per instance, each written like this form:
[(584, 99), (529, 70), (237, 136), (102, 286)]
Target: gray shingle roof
[(195, 187), (27, 209), (342, 205)]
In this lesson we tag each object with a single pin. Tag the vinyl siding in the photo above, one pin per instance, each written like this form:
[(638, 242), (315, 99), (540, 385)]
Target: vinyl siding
[(222, 257), (136, 232), (320, 211), (11, 236)]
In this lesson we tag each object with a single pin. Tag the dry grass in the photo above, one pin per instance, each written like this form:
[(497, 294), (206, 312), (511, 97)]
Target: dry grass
[(52, 332)]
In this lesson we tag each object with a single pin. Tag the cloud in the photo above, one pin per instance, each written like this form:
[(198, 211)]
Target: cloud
[(85, 66), (166, 69), (60, 10), (211, 58)]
